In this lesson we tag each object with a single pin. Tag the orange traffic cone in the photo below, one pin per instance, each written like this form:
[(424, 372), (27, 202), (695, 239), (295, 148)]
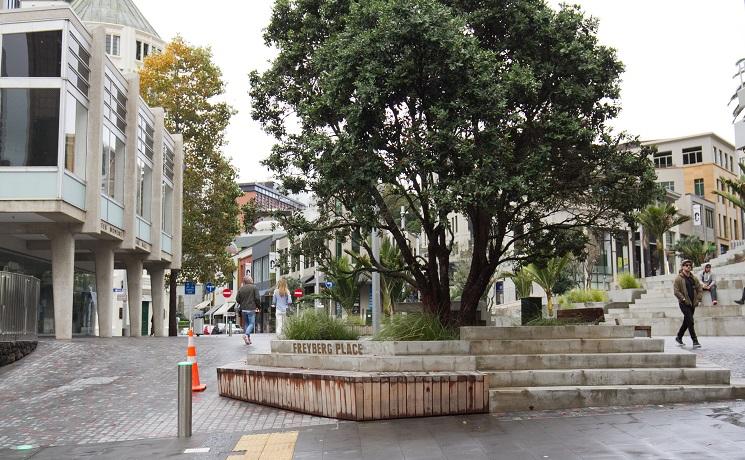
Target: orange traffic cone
[(191, 356)]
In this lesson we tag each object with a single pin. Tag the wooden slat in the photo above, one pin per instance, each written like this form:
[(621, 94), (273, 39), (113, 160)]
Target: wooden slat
[(367, 409), (453, 388), (393, 391), (427, 395), (385, 395), (359, 400), (410, 396), (376, 398), (478, 394), (436, 395), (419, 392), (462, 394)]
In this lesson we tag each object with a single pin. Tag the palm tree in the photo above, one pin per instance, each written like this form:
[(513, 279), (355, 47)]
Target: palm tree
[(546, 277), (736, 195), (657, 220), (392, 288), (523, 281), (691, 247), (345, 282)]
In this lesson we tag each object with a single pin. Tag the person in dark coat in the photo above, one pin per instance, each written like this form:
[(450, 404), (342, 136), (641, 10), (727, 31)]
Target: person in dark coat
[(247, 300)]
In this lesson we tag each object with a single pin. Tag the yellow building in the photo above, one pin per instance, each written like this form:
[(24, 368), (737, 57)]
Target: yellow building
[(695, 165)]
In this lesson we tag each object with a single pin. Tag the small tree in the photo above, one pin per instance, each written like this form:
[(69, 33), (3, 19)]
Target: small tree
[(657, 220), (691, 247), (546, 277), (736, 193), (523, 281), (345, 278)]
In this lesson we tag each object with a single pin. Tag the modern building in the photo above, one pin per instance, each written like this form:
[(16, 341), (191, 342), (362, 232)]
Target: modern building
[(130, 37), (90, 179), (693, 167)]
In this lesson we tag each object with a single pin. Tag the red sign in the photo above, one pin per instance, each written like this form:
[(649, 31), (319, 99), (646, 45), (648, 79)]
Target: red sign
[(227, 293), (298, 293)]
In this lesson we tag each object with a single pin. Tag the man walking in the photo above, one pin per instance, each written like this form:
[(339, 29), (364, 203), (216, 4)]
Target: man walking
[(688, 290), (709, 283), (247, 300)]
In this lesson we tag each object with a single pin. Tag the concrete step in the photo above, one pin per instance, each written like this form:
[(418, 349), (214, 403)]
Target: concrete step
[(511, 399), (705, 326), (545, 332), (674, 312), (586, 361), (558, 346), (422, 363), (601, 377)]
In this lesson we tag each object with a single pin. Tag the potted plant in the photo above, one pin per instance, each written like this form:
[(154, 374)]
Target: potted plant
[(530, 307)]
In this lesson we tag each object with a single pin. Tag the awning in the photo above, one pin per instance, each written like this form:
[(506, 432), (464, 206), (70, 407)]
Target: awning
[(224, 308), (202, 305), (212, 310)]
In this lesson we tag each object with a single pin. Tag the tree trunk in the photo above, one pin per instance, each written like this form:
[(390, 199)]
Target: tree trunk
[(549, 304), (172, 321)]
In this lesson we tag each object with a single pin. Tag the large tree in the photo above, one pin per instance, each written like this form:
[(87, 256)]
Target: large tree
[(184, 80), (497, 110)]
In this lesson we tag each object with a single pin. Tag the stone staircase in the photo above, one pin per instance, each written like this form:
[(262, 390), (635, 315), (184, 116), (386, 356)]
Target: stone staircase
[(540, 368), (659, 309)]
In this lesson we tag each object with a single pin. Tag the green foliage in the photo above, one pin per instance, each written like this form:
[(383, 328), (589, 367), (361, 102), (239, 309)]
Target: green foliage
[(507, 124), (691, 247), (345, 278), (312, 324), (415, 326), (582, 296), (354, 320), (523, 282), (564, 282), (657, 220), (185, 82), (737, 187), (546, 276), (628, 281)]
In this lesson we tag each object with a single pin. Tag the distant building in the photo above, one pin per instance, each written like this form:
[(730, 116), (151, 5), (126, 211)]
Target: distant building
[(129, 36)]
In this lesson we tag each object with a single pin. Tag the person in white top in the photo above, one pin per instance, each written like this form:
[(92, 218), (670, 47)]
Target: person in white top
[(281, 300)]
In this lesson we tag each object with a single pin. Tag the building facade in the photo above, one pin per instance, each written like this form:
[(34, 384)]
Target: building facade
[(90, 179)]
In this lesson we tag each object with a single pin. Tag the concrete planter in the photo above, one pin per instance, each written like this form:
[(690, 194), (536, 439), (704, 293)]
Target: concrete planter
[(625, 295)]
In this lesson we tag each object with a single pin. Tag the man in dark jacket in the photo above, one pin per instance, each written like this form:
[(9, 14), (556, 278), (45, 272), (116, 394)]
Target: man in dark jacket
[(247, 300), (688, 290)]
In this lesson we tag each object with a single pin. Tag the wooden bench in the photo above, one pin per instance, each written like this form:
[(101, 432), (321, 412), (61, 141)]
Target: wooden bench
[(586, 315)]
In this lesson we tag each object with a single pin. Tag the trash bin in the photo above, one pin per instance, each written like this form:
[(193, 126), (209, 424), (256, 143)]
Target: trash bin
[(198, 323)]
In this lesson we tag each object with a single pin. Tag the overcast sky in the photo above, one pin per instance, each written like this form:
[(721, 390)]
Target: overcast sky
[(680, 57)]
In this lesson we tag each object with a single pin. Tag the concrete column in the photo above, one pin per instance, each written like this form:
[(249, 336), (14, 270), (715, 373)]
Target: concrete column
[(134, 295), (631, 251), (105, 287), (63, 276), (158, 293), (642, 256)]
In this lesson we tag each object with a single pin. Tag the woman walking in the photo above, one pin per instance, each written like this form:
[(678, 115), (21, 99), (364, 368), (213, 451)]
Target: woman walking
[(281, 300)]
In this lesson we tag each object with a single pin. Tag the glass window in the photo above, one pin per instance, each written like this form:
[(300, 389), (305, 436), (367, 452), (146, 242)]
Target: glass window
[(138, 51), (167, 209), (709, 217), (145, 50), (692, 155), (663, 159), (144, 189), (698, 187), (32, 54), (112, 169), (76, 136), (112, 44), (168, 162), (29, 127), (668, 185)]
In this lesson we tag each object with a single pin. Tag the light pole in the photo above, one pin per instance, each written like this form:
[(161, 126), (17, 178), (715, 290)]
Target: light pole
[(376, 308)]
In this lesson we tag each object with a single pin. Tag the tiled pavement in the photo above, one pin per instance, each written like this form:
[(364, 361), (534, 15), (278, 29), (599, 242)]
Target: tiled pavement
[(98, 398)]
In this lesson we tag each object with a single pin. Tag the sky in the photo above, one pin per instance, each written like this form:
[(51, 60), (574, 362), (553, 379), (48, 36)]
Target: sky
[(679, 55)]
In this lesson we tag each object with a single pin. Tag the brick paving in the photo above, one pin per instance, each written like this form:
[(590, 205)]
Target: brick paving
[(116, 398), (91, 390)]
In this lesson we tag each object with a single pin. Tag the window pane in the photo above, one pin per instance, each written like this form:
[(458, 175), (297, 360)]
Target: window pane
[(117, 169), (105, 162), (33, 54), (29, 127), (76, 136)]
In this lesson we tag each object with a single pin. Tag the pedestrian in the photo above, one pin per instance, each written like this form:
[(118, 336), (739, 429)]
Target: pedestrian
[(688, 290), (247, 300), (281, 301), (709, 283)]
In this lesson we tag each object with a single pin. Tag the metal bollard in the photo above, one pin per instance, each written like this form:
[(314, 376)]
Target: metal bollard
[(184, 399)]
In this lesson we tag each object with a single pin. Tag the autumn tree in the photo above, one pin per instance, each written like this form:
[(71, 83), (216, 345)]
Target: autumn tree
[(497, 110), (184, 80)]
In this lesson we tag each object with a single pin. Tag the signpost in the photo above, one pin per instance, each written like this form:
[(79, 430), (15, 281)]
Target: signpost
[(227, 293), (329, 284), (210, 288), (190, 288), (297, 292)]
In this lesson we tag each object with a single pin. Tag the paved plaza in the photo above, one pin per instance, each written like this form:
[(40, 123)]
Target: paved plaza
[(115, 398)]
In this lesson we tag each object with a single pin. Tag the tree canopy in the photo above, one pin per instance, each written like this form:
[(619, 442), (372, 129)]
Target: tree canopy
[(184, 81), (496, 110)]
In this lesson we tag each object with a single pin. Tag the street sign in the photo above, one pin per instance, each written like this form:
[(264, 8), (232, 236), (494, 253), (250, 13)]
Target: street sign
[(190, 288), (329, 284), (227, 293), (118, 289), (298, 292), (210, 288)]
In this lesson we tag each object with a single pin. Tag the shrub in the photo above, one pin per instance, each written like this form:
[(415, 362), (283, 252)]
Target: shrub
[(312, 324), (354, 320), (582, 296), (628, 281), (415, 326)]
